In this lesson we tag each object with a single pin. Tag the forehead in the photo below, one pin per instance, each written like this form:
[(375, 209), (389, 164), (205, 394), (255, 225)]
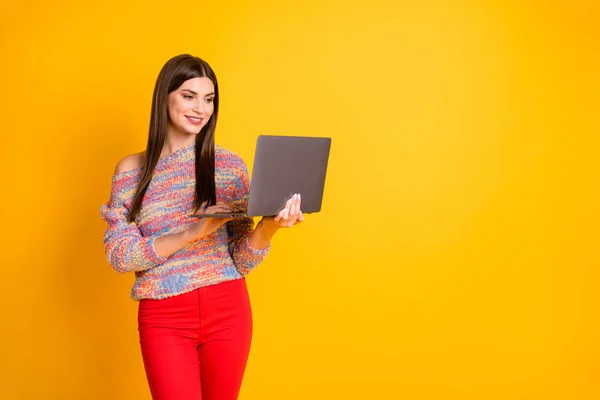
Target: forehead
[(201, 85)]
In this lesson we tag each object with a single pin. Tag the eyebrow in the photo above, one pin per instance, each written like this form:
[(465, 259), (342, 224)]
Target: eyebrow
[(192, 92)]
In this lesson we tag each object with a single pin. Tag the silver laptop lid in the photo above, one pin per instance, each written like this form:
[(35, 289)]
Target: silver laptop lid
[(284, 165)]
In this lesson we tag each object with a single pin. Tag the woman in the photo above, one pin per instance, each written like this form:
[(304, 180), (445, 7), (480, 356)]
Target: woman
[(194, 316)]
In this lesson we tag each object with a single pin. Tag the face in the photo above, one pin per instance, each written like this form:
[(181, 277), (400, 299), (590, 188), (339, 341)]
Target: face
[(191, 105)]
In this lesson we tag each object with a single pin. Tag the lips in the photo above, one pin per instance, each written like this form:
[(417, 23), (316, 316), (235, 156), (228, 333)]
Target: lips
[(194, 120)]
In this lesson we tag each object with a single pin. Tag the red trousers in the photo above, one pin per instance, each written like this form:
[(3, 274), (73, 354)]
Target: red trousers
[(195, 345)]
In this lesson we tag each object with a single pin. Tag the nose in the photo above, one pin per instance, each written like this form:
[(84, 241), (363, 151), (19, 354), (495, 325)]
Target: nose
[(200, 106)]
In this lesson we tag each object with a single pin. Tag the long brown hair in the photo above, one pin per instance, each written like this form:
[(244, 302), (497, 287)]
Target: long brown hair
[(176, 71)]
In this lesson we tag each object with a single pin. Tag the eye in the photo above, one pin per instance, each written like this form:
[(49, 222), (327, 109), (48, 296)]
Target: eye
[(188, 97), (209, 100)]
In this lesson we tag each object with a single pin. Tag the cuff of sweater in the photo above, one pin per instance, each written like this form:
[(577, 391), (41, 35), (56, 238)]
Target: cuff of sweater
[(150, 252), (251, 252)]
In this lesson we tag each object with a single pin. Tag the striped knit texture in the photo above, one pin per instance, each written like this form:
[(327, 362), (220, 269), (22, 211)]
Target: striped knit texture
[(169, 201)]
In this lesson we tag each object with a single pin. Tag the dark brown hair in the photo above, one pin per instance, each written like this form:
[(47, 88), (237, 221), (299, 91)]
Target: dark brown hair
[(176, 71)]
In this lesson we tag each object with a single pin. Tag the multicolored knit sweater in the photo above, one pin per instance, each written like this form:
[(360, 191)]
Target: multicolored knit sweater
[(168, 203)]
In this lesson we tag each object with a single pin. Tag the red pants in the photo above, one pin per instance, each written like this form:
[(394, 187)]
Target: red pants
[(195, 345)]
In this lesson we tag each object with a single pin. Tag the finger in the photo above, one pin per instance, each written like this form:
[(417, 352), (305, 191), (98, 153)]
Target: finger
[(230, 208), (279, 216), (296, 210), (217, 209), (292, 221), (283, 214), (300, 215), (294, 205), (293, 216), (224, 208), (286, 210), (237, 207)]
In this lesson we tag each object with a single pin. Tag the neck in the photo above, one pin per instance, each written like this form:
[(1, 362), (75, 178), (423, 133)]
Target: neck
[(176, 141)]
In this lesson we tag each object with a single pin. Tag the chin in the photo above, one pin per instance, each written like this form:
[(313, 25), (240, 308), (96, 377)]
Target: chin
[(192, 130)]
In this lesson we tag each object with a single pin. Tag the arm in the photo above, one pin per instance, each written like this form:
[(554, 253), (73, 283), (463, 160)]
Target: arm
[(248, 246), (126, 248), (262, 236), (290, 216), (170, 244), (167, 245)]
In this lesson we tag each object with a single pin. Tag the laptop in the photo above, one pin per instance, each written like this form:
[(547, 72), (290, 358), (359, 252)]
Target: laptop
[(284, 165)]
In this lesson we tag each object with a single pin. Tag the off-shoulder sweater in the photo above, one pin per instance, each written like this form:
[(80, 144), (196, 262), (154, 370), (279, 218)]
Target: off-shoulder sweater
[(166, 208)]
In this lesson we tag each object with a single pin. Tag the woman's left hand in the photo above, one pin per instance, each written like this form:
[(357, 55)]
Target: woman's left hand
[(288, 217)]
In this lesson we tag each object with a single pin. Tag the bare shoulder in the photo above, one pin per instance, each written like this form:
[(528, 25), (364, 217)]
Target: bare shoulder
[(130, 162)]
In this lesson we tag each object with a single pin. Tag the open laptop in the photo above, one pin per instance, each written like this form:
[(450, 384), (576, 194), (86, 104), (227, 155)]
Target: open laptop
[(284, 165)]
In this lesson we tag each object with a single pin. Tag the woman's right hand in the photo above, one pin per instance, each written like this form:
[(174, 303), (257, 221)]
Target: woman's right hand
[(206, 226), (167, 245)]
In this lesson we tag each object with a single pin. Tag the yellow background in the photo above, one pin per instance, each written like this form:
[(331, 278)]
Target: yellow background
[(456, 256)]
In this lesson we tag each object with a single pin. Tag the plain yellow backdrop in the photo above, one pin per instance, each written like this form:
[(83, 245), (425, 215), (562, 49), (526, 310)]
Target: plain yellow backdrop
[(456, 256)]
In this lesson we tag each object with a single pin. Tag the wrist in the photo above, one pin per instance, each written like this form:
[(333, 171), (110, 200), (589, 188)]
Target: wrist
[(191, 234), (269, 228)]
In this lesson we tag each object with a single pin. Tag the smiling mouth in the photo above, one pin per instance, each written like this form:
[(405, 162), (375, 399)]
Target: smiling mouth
[(195, 120)]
